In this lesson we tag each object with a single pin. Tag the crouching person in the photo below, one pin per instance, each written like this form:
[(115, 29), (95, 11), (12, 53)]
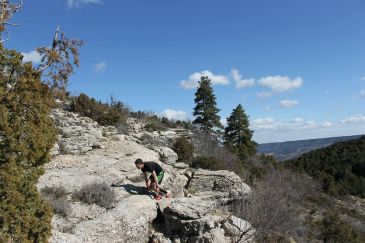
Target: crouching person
[(153, 182)]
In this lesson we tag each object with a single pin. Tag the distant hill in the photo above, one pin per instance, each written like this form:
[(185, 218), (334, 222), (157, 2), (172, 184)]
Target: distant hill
[(292, 149), (340, 167)]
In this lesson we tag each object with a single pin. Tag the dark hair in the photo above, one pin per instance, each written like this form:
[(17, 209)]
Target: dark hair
[(138, 161)]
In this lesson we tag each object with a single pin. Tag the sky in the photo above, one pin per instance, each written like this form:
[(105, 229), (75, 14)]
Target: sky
[(297, 67)]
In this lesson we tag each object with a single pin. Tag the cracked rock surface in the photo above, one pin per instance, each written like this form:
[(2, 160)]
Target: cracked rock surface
[(195, 213)]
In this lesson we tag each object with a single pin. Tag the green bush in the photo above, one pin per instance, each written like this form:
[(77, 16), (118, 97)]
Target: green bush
[(112, 114), (150, 127), (209, 163), (99, 193), (184, 149), (27, 135)]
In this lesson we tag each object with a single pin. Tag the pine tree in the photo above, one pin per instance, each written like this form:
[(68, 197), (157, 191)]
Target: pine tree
[(237, 134), (205, 110)]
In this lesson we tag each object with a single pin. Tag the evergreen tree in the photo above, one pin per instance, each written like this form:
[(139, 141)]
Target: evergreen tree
[(205, 110), (237, 134)]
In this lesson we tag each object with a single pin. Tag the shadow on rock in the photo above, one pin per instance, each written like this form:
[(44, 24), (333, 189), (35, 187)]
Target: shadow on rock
[(133, 189)]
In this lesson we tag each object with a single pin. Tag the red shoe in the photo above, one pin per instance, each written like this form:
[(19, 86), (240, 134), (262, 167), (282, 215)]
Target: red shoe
[(157, 197)]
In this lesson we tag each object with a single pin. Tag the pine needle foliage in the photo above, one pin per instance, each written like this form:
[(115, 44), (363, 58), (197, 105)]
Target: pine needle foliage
[(206, 110), (238, 136)]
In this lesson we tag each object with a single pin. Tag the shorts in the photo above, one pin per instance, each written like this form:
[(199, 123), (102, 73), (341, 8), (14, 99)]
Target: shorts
[(159, 177)]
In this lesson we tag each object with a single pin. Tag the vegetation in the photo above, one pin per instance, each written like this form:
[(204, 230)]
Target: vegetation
[(205, 110), (112, 114), (333, 229), (56, 196), (208, 147), (210, 163), (340, 167), (184, 149), (99, 193), (274, 204), (27, 134), (156, 123), (238, 136)]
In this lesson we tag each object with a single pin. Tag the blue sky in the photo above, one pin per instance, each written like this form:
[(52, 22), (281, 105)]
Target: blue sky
[(297, 67)]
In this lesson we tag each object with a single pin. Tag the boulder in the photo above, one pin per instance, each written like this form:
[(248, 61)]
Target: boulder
[(235, 227), (167, 155), (127, 222), (221, 184)]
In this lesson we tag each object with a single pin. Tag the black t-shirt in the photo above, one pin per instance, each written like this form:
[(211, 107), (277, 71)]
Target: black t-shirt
[(151, 166)]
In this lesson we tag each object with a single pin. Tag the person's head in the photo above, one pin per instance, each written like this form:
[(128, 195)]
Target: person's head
[(139, 163)]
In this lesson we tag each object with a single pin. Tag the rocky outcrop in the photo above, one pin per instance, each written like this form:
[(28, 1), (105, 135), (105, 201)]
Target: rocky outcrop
[(78, 134), (199, 210), (204, 216)]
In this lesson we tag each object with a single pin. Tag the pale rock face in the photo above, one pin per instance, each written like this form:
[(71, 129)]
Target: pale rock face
[(78, 134), (167, 155), (197, 211)]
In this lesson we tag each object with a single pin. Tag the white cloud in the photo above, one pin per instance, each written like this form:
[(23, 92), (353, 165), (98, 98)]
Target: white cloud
[(32, 56), (264, 123), (298, 128), (362, 93), (174, 114), (241, 83), (362, 78), (264, 94), (359, 118), (281, 83), (297, 123), (288, 103), (194, 79), (78, 3), (100, 67)]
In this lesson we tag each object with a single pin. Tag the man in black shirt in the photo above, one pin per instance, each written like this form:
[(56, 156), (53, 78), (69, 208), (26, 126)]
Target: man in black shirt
[(156, 177)]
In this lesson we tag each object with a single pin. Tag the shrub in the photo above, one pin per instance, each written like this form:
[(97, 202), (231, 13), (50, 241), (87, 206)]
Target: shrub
[(159, 122), (98, 193), (54, 192), (28, 134), (333, 229), (273, 205), (150, 127), (56, 196), (123, 129), (209, 163), (61, 206), (208, 146), (105, 114), (184, 149)]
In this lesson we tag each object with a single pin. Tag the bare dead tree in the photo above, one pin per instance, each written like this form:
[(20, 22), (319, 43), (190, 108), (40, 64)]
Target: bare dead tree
[(56, 64), (7, 10)]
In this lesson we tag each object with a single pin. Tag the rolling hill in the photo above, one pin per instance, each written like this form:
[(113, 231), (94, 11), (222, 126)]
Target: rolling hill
[(292, 149)]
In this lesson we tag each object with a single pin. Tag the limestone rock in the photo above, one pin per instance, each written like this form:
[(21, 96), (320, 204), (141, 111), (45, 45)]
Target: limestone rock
[(78, 134), (218, 184), (167, 155)]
